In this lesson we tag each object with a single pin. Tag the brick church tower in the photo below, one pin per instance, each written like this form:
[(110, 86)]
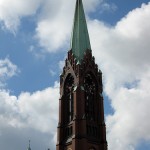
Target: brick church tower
[(81, 112)]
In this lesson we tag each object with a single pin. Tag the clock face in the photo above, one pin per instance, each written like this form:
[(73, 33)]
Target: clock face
[(69, 149)]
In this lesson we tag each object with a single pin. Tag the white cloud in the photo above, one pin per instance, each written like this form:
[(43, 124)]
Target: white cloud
[(7, 70), (54, 30), (107, 7), (29, 115), (53, 27), (51, 35), (122, 53), (129, 124), (12, 11), (52, 72), (91, 5)]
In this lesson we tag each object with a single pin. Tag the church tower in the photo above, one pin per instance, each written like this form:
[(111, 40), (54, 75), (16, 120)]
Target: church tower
[(29, 146), (81, 112)]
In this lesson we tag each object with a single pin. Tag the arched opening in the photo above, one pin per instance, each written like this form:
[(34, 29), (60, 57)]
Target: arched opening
[(69, 100), (90, 94)]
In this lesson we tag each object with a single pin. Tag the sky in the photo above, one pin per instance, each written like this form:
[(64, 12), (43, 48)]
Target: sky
[(34, 40)]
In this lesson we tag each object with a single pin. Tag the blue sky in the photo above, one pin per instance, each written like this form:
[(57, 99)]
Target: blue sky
[(34, 40)]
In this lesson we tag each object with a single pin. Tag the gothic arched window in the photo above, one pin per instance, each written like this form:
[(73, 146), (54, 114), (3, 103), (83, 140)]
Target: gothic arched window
[(90, 92), (69, 102)]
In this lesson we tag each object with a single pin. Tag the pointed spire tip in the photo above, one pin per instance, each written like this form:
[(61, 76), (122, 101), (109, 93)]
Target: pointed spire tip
[(80, 37)]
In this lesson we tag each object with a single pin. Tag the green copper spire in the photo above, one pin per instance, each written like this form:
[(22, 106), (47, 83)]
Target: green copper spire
[(80, 36)]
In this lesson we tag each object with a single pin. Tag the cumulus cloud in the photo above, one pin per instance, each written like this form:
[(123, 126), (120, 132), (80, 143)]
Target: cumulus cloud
[(129, 125), (51, 35), (107, 7), (30, 115), (53, 27), (123, 53), (7, 70), (53, 31), (12, 12)]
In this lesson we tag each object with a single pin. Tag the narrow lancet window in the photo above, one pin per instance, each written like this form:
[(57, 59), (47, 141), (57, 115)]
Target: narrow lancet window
[(90, 90), (69, 84)]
